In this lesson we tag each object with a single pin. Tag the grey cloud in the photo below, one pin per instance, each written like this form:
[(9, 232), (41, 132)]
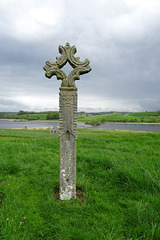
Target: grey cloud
[(124, 56), (9, 105)]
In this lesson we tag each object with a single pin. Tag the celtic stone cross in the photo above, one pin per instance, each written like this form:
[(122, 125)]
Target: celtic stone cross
[(68, 115)]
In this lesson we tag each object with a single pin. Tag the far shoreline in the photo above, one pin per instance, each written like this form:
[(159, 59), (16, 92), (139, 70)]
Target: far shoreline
[(16, 120), (143, 123)]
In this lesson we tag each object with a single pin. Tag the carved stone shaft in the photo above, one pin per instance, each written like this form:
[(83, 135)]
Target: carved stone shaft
[(68, 136), (68, 114)]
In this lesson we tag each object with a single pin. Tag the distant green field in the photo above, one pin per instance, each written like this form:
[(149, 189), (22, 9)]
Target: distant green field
[(145, 117), (34, 116), (41, 116), (145, 114), (118, 172), (141, 117)]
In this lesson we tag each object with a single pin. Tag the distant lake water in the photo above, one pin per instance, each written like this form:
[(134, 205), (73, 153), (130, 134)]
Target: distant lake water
[(11, 124), (119, 126)]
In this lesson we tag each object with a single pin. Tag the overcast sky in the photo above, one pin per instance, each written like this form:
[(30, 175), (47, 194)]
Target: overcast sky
[(121, 38)]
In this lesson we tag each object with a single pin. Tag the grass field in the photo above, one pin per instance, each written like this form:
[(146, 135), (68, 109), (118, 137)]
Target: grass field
[(141, 117), (118, 172), (34, 116)]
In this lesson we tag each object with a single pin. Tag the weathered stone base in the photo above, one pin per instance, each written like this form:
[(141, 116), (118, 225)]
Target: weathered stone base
[(67, 167), (68, 134)]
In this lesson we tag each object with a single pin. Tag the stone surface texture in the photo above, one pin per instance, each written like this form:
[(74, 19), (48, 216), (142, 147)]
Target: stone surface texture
[(68, 115), (68, 136)]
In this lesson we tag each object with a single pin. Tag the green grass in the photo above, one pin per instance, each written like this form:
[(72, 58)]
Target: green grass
[(145, 117), (40, 116), (118, 171)]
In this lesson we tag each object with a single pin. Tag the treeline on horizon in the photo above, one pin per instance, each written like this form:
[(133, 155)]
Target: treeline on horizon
[(30, 115)]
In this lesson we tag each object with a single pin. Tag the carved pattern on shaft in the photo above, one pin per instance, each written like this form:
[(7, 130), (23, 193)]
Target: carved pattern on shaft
[(68, 111)]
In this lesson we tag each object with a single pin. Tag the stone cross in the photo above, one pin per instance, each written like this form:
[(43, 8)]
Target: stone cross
[(68, 115)]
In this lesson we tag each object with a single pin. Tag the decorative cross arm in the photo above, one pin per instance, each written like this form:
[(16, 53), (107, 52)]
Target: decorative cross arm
[(67, 55)]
